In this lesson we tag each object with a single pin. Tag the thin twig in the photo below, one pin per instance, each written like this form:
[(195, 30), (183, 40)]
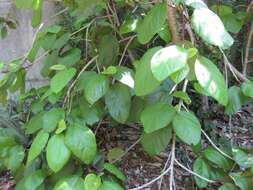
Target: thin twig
[(125, 49), (217, 148), (76, 79), (193, 173)]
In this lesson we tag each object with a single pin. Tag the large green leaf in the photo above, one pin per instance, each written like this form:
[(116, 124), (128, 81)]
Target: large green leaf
[(95, 87), (152, 23), (234, 100), (35, 123), (73, 182), (242, 158), (217, 158), (247, 88), (14, 158), (92, 182), (201, 167), (71, 57), (157, 116), (210, 28), (51, 119), (24, 4), (156, 142), (145, 82), (38, 145), (61, 79), (108, 184), (228, 186), (167, 61), (118, 102), (211, 80), (82, 143), (32, 181), (108, 50), (115, 171), (245, 183), (57, 153), (187, 127)]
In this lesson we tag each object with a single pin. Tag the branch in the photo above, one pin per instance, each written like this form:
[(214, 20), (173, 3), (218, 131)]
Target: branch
[(172, 22)]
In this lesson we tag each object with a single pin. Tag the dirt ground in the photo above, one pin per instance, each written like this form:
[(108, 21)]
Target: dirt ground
[(141, 168)]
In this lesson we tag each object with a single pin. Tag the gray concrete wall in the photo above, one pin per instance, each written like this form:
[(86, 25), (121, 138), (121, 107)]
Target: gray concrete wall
[(19, 41)]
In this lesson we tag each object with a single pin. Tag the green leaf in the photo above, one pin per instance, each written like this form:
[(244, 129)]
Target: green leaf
[(165, 34), (115, 171), (187, 127), (32, 181), (242, 158), (61, 127), (167, 61), (180, 75), (234, 100), (95, 87), (37, 13), (182, 95), (145, 82), (129, 25), (110, 185), (70, 57), (57, 153), (82, 143), (35, 123), (51, 119), (210, 28), (152, 23), (201, 167), (92, 182), (217, 158), (156, 142), (108, 50), (228, 186), (118, 102), (15, 157), (61, 79), (57, 67), (24, 4), (245, 183), (157, 116), (38, 145), (125, 76), (211, 80), (73, 182), (247, 88), (61, 41)]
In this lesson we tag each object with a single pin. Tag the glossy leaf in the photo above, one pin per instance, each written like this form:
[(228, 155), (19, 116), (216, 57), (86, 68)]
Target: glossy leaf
[(210, 28), (152, 23), (82, 143), (92, 182), (111, 168), (157, 116), (211, 80), (61, 79), (167, 61), (96, 87), (247, 88), (38, 145), (228, 186), (156, 142), (201, 167), (57, 153), (118, 102), (187, 127), (217, 158), (73, 182), (145, 82), (234, 100)]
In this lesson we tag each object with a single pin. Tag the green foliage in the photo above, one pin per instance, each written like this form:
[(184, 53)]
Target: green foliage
[(121, 68)]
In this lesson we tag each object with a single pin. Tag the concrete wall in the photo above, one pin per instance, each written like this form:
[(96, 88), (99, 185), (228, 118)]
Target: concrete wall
[(19, 41)]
